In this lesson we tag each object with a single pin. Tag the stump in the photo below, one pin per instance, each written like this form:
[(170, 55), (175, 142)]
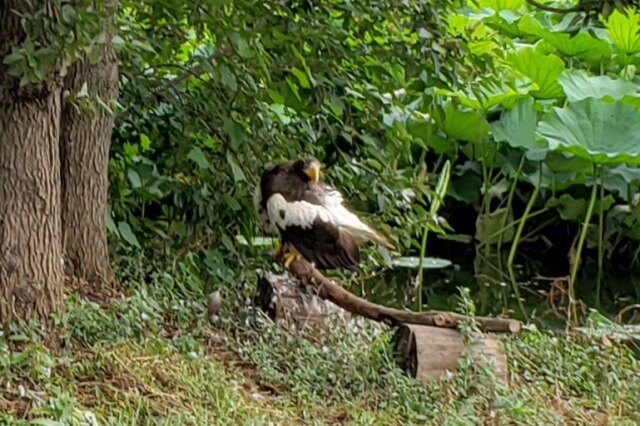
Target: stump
[(426, 352), (280, 297)]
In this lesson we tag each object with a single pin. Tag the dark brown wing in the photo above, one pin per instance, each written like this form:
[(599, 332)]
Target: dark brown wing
[(324, 244)]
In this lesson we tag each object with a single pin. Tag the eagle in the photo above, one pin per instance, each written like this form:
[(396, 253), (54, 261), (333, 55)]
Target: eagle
[(310, 218)]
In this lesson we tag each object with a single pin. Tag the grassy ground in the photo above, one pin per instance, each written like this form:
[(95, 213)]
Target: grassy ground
[(152, 357)]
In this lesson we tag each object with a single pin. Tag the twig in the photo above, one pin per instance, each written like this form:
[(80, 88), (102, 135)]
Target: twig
[(326, 289), (619, 318), (194, 71)]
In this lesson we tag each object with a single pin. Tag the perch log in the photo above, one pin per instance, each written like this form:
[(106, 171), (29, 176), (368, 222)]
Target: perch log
[(423, 352), (326, 289), (426, 352), (280, 297)]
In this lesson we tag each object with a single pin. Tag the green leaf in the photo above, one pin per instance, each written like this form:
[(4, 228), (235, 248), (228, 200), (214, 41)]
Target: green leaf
[(236, 171), (490, 227), (143, 45), (414, 262), (574, 209), (302, 78), (228, 78), (560, 162), (241, 45), (501, 4), (624, 30), (582, 45), (130, 149), (578, 86), (45, 422), (111, 225), (276, 97), (232, 203), (145, 142), (441, 188), (423, 131), (68, 14), (517, 128), (256, 241), (488, 95), (542, 69), (125, 232), (134, 179), (604, 133), (197, 156), (293, 87), (228, 243), (464, 125), (282, 113), (596, 319), (235, 131), (13, 58), (465, 186)]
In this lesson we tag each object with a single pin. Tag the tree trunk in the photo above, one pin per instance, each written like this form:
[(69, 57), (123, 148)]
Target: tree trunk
[(31, 279), (84, 152)]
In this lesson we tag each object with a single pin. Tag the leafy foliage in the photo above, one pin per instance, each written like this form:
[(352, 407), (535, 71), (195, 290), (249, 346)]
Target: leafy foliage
[(511, 105)]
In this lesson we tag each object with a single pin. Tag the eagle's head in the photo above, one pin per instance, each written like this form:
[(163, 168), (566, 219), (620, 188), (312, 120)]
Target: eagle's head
[(308, 169)]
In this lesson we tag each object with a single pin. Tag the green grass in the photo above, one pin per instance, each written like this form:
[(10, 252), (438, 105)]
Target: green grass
[(153, 357)]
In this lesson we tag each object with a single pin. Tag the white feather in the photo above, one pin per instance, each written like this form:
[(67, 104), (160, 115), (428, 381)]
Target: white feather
[(297, 213), (332, 199)]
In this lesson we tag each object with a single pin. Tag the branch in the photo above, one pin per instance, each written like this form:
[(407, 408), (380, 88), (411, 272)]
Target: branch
[(194, 71), (326, 289)]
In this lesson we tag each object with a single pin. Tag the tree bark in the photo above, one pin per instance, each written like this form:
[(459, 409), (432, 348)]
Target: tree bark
[(31, 279), (84, 151)]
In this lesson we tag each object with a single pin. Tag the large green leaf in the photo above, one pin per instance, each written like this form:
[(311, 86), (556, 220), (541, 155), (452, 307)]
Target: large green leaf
[(582, 45), (488, 95), (578, 86), (464, 125), (602, 132), (423, 131), (624, 30), (574, 209), (517, 128), (560, 162), (542, 69)]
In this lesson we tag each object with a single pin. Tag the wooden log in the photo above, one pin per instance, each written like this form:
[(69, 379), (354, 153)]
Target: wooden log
[(326, 289), (281, 298), (426, 352), (423, 352)]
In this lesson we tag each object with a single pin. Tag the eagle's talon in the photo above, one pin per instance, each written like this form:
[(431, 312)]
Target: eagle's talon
[(290, 256)]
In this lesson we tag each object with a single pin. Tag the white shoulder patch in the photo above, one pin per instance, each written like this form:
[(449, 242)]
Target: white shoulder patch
[(330, 196), (297, 213)]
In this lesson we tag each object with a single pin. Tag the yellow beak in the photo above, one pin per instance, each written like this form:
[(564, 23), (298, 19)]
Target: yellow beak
[(314, 173)]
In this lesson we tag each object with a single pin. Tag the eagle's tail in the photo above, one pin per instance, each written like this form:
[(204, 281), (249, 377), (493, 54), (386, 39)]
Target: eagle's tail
[(332, 200), (359, 230), (366, 233)]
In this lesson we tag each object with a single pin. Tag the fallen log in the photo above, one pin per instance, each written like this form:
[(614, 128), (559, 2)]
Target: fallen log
[(422, 352), (426, 352), (327, 289)]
